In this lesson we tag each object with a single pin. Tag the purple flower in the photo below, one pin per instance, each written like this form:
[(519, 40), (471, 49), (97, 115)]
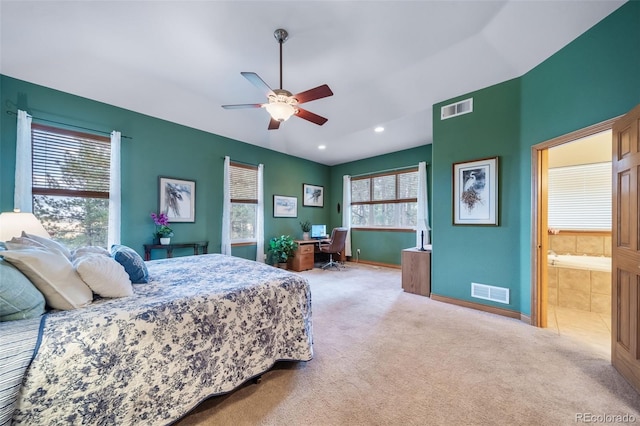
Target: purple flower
[(160, 219)]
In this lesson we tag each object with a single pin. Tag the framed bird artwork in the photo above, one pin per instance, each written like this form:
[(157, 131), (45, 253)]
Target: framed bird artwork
[(475, 192)]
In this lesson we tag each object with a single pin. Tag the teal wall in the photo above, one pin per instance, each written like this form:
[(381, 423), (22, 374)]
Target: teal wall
[(592, 79), (465, 254), (378, 246), (162, 148)]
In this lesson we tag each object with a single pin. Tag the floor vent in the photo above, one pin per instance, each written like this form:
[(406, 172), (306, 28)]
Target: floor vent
[(489, 292), (454, 110)]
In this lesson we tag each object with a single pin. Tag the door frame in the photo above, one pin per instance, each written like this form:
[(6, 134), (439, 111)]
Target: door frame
[(539, 215)]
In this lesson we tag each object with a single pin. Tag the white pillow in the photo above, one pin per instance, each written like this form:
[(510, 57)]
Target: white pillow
[(104, 275), (18, 243), (52, 273), (49, 243), (83, 251)]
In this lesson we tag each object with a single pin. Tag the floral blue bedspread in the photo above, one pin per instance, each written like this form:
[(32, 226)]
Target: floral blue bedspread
[(202, 326)]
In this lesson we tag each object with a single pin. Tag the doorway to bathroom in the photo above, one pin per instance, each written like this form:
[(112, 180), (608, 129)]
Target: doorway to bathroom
[(572, 230)]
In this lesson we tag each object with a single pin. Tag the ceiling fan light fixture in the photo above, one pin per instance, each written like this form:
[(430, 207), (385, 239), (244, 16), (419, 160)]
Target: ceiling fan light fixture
[(280, 111)]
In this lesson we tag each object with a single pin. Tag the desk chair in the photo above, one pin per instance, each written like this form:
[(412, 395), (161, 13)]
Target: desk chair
[(336, 245)]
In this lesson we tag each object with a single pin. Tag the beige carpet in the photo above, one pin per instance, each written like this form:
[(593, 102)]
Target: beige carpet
[(385, 357)]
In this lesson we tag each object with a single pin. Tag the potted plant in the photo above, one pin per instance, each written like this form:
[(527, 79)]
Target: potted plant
[(281, 249), (306, 227), (163, 232)]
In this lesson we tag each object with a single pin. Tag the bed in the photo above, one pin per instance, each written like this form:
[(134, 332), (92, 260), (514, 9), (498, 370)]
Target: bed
[(201, 326)]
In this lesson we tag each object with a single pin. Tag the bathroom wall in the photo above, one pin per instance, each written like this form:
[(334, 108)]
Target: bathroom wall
[(581, 243), (579, 289)]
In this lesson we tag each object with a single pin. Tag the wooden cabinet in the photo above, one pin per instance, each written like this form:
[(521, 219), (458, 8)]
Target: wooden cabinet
[(416, 271), (303, 256)]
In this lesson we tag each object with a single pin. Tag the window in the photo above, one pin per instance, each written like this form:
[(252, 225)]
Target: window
[(580, 197), (244, 202), (71, 184), (387, 200)]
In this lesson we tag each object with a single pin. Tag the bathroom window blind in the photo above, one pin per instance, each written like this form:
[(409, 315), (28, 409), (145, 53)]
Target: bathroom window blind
[(580, 197)]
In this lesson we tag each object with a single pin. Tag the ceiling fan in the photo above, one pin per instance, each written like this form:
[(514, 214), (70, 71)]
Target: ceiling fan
[(281, 103)]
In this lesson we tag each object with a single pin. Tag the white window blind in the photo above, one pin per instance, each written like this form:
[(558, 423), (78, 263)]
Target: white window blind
[(71, 184), (580, 197), (70, 163), (244, 202)]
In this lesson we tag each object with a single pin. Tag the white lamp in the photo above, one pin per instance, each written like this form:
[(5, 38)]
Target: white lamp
[(280, 111), (13, 223)]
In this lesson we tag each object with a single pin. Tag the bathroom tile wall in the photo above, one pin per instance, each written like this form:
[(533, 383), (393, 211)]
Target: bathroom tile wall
[(579, 289), (587, 244)]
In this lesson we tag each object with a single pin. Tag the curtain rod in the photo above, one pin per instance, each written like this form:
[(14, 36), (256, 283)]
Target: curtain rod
[(241, 162), (69, 125), (385, 171)]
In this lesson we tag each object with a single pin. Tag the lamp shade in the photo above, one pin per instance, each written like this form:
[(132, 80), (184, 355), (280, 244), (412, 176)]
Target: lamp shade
[(13, 223), (280, 111)]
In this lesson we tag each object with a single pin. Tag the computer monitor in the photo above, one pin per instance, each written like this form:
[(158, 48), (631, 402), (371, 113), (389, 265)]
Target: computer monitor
[(318, 231)]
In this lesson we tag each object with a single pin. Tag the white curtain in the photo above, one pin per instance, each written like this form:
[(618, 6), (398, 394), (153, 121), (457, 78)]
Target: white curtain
[(225, 246), (260, 217), (423, 206), (113, 236), (346, 212), (22, 193)]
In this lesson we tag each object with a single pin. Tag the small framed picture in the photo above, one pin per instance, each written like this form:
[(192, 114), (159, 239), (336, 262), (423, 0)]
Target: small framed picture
[(177, 199), (475, 192), (284, 206), (312, 195)]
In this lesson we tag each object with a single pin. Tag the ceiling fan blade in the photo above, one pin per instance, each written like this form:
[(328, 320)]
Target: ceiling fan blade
[(313, 94), (258, 82), (238, 106), (274, 124), (309, 116)]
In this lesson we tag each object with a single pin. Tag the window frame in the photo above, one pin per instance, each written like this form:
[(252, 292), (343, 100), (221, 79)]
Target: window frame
[(372, 201)]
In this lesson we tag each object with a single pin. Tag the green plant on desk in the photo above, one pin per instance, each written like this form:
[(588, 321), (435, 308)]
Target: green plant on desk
[(281, 248), (306, 226)]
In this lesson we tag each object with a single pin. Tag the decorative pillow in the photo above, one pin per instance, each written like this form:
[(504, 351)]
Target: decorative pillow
[(52, 273), (104, 276), (49, 243), (83, 251), (132, 262), (19, 299)]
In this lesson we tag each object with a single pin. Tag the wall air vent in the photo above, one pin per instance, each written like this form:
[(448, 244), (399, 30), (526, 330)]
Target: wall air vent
[(454, 110), (489, 292)]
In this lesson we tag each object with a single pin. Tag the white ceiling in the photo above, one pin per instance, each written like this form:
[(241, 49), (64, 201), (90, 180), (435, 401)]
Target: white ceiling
[(387, 62)]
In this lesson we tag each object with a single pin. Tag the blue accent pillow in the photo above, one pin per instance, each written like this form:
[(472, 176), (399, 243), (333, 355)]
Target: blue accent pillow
[(132, 262), (19, 298)]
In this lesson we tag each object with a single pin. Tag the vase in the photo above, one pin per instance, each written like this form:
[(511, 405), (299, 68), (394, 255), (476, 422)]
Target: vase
[(165, 241), (305, 236)]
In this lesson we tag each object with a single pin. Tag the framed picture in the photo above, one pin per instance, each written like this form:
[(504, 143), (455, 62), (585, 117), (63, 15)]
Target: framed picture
[(178, 199), (475, 192), (312, 195), (284, 206)]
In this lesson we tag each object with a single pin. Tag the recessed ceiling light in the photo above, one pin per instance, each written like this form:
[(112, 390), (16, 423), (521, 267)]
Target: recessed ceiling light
[(322, 146), (379, 129)]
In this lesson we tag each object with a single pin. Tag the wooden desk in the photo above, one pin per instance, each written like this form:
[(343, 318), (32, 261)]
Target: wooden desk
[(304, 256), (416, 271), (204, 245)]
